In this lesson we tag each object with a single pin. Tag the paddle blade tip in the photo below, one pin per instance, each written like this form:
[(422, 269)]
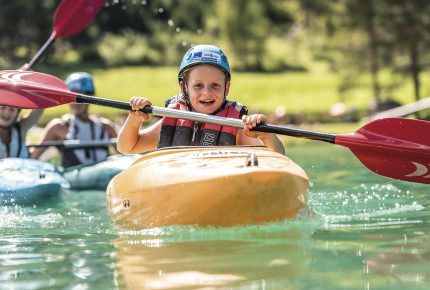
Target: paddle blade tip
[(73, 16), (398, 167), (398, 148), (32, 90)]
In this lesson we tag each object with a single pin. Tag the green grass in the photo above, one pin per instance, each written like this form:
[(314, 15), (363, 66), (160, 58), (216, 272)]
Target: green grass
[(298, 92)]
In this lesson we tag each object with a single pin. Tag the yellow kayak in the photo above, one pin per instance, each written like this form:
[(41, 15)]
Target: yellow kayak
[(207, 186)]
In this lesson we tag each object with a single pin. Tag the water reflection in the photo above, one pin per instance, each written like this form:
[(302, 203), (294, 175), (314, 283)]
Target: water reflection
[(54, 261), (258, 260), (407, 261), (376, 252)]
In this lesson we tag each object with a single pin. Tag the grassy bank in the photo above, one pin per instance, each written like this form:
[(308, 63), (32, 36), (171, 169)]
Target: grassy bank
[(296, 92)]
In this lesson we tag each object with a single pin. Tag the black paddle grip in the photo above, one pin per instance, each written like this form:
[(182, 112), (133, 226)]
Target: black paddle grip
[(108, 103), (330, 138)]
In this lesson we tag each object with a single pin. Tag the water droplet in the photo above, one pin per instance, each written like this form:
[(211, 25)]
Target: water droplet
[(170, 22)]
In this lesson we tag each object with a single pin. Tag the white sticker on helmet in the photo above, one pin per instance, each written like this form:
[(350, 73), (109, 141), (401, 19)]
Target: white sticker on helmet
[(207, 55)]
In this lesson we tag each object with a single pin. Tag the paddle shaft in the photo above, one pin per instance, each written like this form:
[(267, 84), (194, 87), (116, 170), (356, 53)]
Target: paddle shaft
[(70, 144), (197, 117), (41, 51)]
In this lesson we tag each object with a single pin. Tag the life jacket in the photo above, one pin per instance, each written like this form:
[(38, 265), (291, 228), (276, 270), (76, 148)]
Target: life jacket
[(84, 131), (179, 132), (16, 147)]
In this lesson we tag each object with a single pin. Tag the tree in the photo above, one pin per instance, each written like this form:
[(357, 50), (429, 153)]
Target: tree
[(24, 26), (244, 27)]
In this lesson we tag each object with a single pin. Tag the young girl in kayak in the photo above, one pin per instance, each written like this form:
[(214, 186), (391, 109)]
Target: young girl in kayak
[(13, 131), (204, 80), (79, 124)]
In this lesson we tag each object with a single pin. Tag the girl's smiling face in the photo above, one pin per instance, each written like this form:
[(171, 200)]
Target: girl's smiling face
[(8, 116), (206, 87)]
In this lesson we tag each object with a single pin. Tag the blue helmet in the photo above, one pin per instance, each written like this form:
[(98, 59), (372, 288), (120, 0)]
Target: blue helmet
[(81, 82), (204, 54)]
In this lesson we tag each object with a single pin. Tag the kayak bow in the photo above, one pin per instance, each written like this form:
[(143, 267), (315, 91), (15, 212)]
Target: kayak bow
[(207, 186)]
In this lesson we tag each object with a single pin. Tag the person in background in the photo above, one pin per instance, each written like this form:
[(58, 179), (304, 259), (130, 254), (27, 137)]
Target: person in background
[(204, 79), (13, 131), (79, 125)]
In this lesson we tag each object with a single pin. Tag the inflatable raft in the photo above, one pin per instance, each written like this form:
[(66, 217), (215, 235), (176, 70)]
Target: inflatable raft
[(28, 181), (207, 186), (97, 176)]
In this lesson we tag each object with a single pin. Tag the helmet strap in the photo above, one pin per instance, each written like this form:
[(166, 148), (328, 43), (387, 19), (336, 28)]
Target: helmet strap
[(185, 95)]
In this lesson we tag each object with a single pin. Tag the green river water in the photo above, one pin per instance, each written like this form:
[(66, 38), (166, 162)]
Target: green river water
[(365, 232)]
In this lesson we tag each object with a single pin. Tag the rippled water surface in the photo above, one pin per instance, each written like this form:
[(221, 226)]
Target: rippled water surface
[(362, 231)]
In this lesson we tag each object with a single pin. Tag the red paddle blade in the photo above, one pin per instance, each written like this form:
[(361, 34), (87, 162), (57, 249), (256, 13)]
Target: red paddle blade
[(72, 16), (393, 147), (32, 90)]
